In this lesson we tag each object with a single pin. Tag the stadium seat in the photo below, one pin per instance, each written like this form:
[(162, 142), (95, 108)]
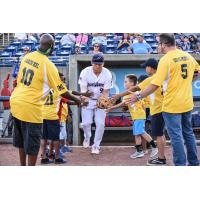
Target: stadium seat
[(123, 52), (16, 43), (5, 54), (62, 53), (110, 41), (18, 54), (11, 49)]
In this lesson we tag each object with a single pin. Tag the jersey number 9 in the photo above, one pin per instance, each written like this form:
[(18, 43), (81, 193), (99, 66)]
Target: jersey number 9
[(184, 73), (27, 76)]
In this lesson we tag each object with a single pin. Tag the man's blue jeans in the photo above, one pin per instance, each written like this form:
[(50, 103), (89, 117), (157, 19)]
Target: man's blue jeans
[(179, 128)]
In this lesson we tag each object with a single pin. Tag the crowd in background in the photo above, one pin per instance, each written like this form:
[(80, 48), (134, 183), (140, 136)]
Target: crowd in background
[(125, 42)]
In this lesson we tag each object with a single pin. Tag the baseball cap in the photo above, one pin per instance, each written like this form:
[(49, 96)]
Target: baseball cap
[(151, 62), (141, 34), (98, 59)]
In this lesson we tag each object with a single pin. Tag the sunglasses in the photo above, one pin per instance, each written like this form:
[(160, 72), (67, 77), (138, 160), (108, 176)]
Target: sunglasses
[(96, 46)]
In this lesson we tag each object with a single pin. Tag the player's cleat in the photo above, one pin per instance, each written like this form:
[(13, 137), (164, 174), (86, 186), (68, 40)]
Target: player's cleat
[(95, 150), (137, 155), (60, 161), (45, 161), (86, 143), (156, 162), (66, 149), (154, 152)]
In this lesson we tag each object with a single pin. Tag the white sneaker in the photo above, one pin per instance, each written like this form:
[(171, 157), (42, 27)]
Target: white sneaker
[(137, 155), (95, 150), (154, 152), (86, 143)]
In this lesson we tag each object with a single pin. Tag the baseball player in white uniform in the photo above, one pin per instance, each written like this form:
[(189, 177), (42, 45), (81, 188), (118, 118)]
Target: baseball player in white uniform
[(98, 80)]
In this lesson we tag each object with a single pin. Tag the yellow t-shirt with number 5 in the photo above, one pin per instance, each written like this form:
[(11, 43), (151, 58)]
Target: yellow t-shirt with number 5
[(175, 72), (37, 74)]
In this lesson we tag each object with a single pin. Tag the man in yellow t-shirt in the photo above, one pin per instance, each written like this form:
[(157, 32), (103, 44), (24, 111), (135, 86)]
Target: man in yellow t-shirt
[(138, 115), (37, 74), (175, 72)]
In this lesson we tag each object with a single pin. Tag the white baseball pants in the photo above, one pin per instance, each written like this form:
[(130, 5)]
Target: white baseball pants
[(99, 116)]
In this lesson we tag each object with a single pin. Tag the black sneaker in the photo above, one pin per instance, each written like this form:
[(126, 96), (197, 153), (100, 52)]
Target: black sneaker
[(156, 162), (60, 161), (45, 161)]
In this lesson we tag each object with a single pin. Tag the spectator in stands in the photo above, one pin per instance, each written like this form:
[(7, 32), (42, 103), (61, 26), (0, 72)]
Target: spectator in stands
[(21, 36), (96, 49), (124, 43), (185, 44), (198, 48), (101, 39), (26, 50), (30, 36), (193, 42), (68, 38), (140, 47), (82, 39), (77, 49)]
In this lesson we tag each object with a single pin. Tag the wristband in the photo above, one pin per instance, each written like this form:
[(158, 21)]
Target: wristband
[(138, 96)]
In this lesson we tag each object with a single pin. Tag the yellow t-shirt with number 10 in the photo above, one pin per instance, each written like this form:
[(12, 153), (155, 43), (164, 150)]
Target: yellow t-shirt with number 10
[(37, 75), (175, 71)]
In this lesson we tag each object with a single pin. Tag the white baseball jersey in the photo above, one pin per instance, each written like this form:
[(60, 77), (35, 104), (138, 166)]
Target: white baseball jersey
[(95, 84)]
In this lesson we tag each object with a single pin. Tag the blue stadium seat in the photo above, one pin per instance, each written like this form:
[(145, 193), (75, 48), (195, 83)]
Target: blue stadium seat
[(11, 49), (124, 52), (5, 54), (110, 51), (16, 43), (148, 35), (62, 53), (57, 42), (66, 47), (21, 48), (28, 42), (110, 36), (110, 41), (18, 54), (150, 40)]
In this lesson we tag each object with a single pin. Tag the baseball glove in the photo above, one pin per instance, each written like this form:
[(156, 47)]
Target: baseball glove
[(105, 102)]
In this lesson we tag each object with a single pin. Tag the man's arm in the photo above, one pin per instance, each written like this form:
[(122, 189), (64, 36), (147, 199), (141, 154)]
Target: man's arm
[(68, 95), (86, 94), (106, 92), (144, 93), (132, 89)]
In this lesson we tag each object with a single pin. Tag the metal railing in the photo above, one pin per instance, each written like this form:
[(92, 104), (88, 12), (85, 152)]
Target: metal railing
[(5, 39)]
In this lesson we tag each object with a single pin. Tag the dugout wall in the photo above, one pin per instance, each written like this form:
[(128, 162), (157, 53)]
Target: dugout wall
[(120, 65)]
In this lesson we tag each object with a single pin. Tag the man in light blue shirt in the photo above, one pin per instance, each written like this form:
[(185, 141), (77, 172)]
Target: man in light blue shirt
[(140, 47)]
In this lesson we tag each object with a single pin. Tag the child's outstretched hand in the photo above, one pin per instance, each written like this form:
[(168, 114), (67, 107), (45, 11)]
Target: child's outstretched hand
[(109, 110)]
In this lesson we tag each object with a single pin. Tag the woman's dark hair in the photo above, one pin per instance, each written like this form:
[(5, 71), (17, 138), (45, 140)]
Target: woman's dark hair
[(194, 39), (168, 39), (128, 38)]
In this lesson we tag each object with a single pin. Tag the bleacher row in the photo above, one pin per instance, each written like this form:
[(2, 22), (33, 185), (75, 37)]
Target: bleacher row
[(10, 55)]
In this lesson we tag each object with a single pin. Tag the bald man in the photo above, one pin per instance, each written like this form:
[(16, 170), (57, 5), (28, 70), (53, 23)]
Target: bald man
[(37, 75)]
